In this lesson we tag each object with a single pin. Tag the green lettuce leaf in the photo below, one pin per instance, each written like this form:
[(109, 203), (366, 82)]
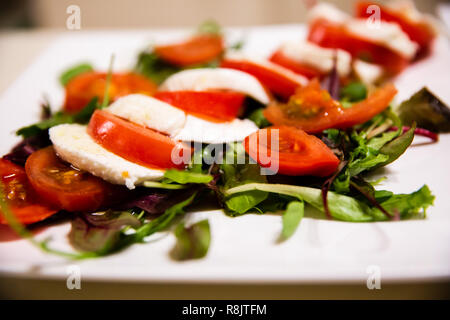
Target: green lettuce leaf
[(58, 118), (291, 218), (184, 177), (192, 242), (100, 233), (74, 71), (235, 174)]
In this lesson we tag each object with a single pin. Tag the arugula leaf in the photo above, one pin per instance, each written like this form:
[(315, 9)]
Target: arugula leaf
[(258, 118), (397, 147), (100, 233), (235, 174), (291, 218), (353, 92), (58, 118), (74, 71), (152, 66), (162, 221), (162, 185), (184, 177), (192, 242), (406, 205), (341, 207)]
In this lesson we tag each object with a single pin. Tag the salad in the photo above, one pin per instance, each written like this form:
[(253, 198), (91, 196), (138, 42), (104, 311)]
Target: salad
[(199, 122)]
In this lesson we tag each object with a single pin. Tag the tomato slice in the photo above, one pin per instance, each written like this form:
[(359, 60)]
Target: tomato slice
[(276, 82), (296, 153), (81, 89), (66, 187), (331, 35), (281, 59), (313, 110), (199, 49), (418, 31), (21, 198), (135, 143), (213, 105)]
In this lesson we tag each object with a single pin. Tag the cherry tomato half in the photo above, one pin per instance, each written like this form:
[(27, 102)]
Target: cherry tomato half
[(296, 153), (81, 89), (65, 186), (199, 49), (20, 196), (313, 110)]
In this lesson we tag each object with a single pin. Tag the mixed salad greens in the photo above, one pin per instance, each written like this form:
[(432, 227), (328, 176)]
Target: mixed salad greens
[(238, 187)]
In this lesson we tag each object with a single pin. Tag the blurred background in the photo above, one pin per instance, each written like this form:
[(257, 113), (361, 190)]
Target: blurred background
[(163, 13)]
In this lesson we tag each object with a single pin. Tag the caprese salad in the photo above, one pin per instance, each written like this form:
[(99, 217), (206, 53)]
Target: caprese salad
[(200, 122)]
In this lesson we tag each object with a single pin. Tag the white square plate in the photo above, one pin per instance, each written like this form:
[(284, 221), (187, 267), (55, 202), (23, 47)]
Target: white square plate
[(244, 249)]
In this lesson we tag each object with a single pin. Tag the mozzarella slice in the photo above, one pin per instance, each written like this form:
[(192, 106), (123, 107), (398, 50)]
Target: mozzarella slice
[(238, 56), (160, 116), (200, 130), (319, 58), (386, 34), (216, 78), (74, 145), (368, 73), (149, 112), (327, 11)]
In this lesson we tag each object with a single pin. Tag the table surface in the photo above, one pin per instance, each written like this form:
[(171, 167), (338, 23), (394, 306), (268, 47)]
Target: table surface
[(18, 49)]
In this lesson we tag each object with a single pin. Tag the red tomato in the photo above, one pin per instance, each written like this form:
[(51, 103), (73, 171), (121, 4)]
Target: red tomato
[(276, 82), (418, 31), (133, 142), (66, 187), (22, 200), (81, 89), (281, 59), (297, 153), (313, 110), (199, 49), (331, 35), (212, 105)]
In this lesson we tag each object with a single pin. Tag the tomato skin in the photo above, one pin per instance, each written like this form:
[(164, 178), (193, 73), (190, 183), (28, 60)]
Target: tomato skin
[(81, 89), (331, 35), (21, 198), (133, 142), (218, 106), (419, 32), (317, 111), (276, 83), (281, 59), (199, 49), (299, 153), (65, 187)]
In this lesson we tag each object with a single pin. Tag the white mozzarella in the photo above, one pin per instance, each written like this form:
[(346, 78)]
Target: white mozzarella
[(238, 56), (163, 117), (149, 112), (327, 11), (204, 131), (319, 58), (368, 73), (74, 145), (386, 34), (203, 79)]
